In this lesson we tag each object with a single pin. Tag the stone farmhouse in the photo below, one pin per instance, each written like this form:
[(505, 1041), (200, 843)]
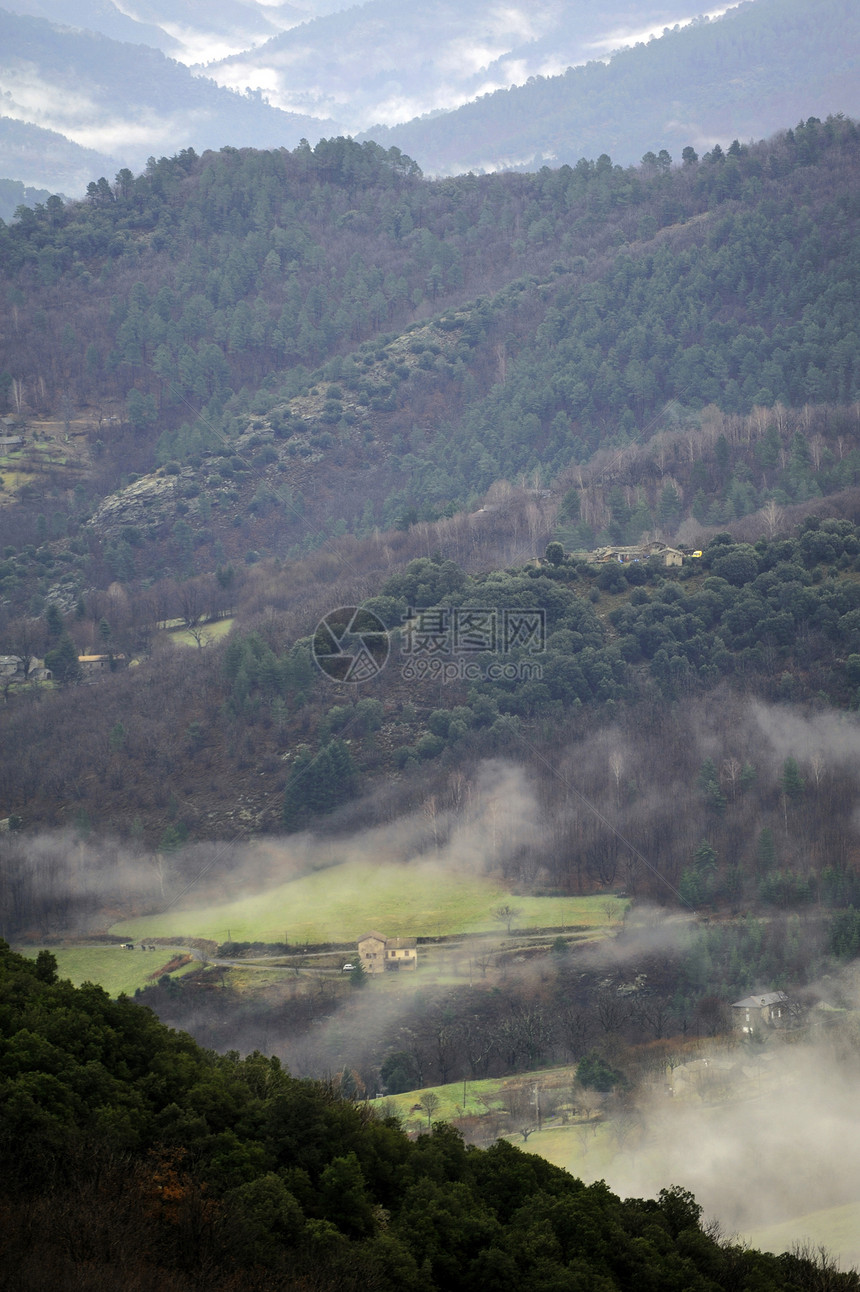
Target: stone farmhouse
[(379, 954), (92, 666), (12, 667), (754, 1013), (12, 670)]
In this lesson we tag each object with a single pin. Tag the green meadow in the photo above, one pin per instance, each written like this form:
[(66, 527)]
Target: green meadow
[(210, 632), (479, 1095), (342, 902), (585, 1148), (112, 968), (835, 1228)]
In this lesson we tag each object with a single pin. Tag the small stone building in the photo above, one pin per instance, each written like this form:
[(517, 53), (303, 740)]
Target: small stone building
[(379, 954), (93, 666), (11, 666), (755, 1013), (12, 670)]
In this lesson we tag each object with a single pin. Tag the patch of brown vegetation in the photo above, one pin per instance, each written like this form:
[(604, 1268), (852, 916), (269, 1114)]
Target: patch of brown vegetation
[(172, 965)]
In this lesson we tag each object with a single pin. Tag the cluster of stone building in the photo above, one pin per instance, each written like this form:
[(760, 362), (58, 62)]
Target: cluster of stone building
[(662, 553), (13, 668)]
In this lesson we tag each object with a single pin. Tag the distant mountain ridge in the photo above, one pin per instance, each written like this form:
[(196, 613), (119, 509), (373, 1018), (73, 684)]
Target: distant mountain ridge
[(123, 100), (741, 76), (99, 16), (386, 61), (184, 29), (39, 157), (14, 194)]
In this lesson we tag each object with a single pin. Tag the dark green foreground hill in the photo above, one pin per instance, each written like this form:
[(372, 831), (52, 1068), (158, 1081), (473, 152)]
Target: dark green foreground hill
[(133, 1158)]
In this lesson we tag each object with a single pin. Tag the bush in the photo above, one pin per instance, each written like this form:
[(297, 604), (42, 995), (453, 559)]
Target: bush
[(594, 1073), (429, 746), (439, 722)]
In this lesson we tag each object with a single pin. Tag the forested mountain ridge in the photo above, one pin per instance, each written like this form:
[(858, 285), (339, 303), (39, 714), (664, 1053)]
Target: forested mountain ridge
[(535, 320), (380, 63), (126, 1145)]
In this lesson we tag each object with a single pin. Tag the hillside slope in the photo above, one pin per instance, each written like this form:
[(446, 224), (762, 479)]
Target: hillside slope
[(329, 343)]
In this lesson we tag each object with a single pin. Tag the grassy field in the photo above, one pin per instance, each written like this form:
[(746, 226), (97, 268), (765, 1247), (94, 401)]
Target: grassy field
[(584, 1149), (836, 1228), (209, 633), (13, 480), (253, 981), (561, 1144), (342, 902), (111, 967), (479, 1094)]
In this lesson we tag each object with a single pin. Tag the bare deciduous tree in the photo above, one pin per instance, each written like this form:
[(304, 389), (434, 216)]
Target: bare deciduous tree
[(773, 517), (506, 915), (428, 1103)]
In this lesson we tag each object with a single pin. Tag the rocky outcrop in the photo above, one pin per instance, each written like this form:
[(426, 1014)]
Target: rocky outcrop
[(150, 500)]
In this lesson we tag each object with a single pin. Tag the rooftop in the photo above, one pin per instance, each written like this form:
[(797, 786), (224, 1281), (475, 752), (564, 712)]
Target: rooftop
[(762, 1001)]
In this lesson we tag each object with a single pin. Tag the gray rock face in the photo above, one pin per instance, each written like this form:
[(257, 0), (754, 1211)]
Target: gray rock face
[(147, 501)]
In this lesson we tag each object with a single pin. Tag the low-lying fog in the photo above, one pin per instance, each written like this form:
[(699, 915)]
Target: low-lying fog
[(760, 1139), (761, 1135)]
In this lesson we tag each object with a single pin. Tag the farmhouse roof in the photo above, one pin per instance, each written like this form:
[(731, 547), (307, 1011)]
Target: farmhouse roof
[(380, 937), (401, 944), (761, 1002)]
